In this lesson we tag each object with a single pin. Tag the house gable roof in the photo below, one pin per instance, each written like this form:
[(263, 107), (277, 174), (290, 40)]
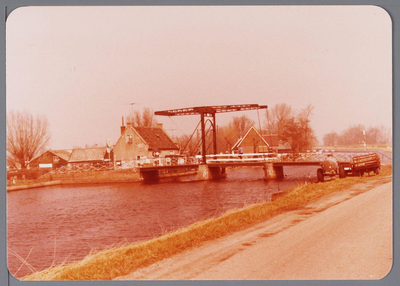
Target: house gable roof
[(63, 154), (88, 154), (127, 130), (253, 130)]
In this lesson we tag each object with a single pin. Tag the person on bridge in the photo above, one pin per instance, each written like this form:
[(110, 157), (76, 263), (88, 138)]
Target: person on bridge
[(240, 151)]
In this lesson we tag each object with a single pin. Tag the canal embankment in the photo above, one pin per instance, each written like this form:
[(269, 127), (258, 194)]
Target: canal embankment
[(96, 177), (32, 185), (116, 262)]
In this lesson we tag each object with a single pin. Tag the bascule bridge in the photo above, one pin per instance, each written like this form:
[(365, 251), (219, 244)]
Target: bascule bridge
[(208, 114), (214, 168)]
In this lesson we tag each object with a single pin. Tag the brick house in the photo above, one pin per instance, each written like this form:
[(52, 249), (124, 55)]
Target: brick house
[(143, 142)]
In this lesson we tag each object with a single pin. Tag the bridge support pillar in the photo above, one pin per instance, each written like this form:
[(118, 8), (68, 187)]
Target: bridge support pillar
[(272, 172), (208, 173), (279, 172), (150, 176)]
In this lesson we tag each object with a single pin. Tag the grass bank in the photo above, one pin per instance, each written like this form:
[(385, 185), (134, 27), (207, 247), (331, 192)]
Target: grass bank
[(380, 147), (119, 261)]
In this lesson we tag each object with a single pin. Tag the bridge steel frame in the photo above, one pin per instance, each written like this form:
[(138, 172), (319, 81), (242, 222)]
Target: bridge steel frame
[(209, 111)]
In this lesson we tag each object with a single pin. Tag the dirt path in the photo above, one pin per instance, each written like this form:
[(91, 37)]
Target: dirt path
[(347, 235)]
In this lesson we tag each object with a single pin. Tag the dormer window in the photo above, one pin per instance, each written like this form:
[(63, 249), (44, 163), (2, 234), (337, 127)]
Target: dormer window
[(129, 139)]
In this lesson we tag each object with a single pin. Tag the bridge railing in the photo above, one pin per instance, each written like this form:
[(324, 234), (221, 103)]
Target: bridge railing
[(279, 157), (132, 164), (246, 157), (193, 160), (169, 161)]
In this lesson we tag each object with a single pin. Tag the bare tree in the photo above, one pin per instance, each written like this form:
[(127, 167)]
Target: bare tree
[(148, 118), (353, 135), (136, 119), (142, 119), (27, 136), (231, 133), (188, 144), (291, 126), (279, 115), (331, 139), (378, 135), (308, 138)]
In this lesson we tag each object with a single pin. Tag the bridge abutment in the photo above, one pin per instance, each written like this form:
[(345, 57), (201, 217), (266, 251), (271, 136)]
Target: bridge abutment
[(208, 173), (273, 172), (150, 176)]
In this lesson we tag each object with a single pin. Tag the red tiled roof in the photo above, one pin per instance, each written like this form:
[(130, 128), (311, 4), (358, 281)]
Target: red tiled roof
[(156, 138), (63, 154)]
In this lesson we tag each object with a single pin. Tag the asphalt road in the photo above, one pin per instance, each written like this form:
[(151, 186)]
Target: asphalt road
[(343, 236)]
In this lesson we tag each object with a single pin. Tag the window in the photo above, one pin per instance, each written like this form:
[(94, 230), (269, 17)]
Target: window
[(129, 139)]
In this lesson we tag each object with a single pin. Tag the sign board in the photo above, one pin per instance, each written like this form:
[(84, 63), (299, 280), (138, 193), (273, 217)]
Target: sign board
[(45, 165)]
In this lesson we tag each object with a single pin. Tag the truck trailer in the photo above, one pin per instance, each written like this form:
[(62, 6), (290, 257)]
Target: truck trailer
[(357, 166)]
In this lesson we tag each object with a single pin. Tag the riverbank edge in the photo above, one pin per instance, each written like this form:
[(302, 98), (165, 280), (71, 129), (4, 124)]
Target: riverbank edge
[(88, 181), (33, 186), (148, 252)]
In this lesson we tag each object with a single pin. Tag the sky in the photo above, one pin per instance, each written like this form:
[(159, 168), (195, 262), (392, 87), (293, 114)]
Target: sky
[(82, 66)]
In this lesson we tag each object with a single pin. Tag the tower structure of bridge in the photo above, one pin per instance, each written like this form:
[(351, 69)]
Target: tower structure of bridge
[(213, 167), (209, 111), (205, 112)]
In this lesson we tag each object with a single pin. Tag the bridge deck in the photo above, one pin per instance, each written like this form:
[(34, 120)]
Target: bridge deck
[(253, 159), (166, 167), (230, 164), (262, 163)]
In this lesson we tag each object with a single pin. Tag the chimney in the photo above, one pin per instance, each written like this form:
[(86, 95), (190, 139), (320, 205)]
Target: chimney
[(159, 125), (122, 126)]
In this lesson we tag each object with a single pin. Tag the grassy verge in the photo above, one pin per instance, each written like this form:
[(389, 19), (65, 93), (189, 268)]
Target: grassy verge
[(381, 147), (119, 261)]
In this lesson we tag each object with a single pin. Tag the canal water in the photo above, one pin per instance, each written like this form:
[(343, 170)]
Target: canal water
[(61, 224)]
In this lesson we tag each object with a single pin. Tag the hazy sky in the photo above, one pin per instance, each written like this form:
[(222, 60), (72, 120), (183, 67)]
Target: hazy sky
[(80, 66)]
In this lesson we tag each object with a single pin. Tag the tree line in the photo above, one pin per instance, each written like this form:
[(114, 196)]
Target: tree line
[(359, 134)]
